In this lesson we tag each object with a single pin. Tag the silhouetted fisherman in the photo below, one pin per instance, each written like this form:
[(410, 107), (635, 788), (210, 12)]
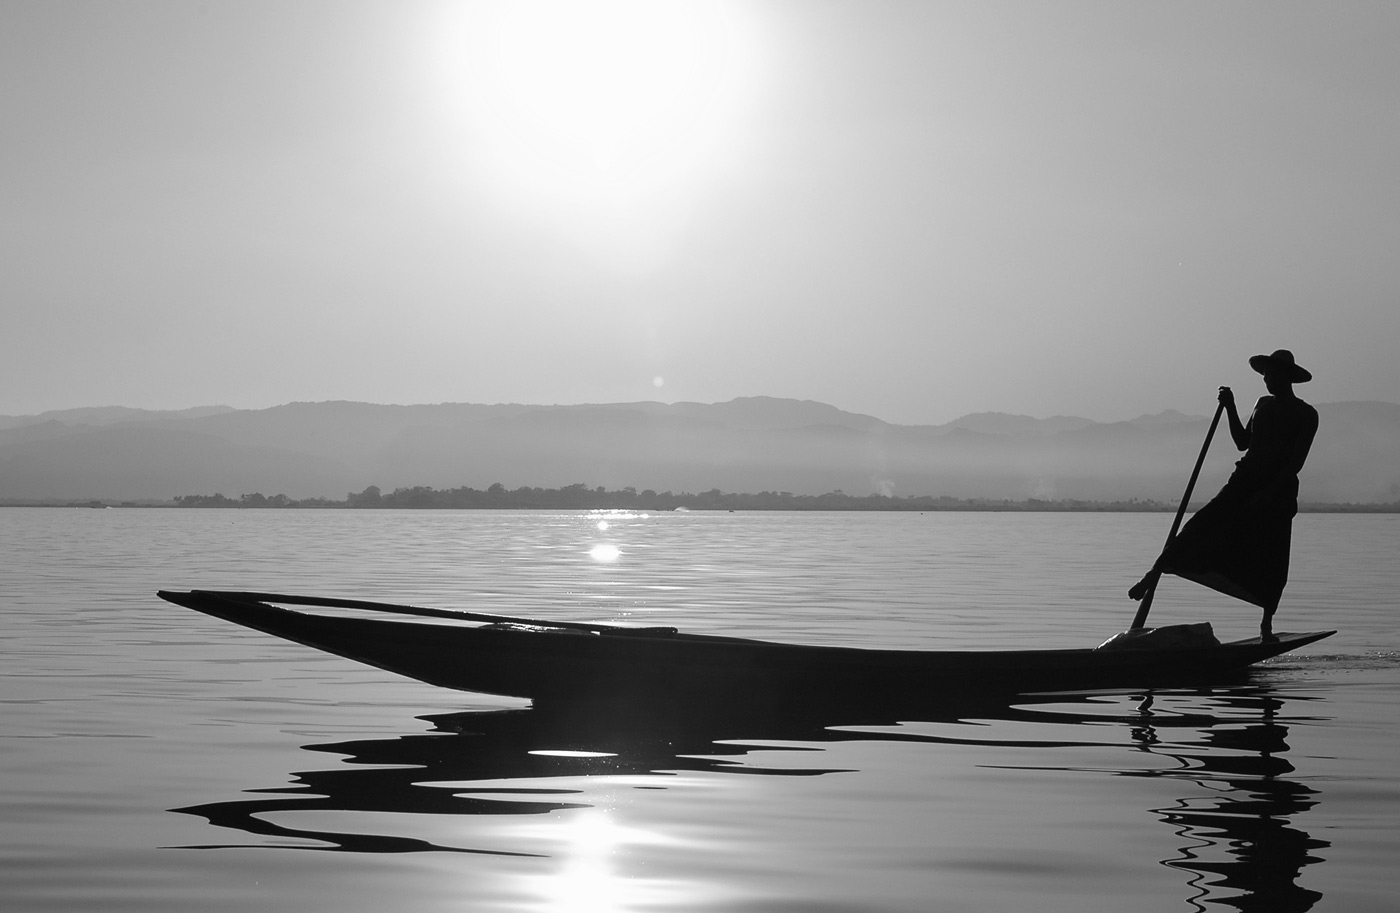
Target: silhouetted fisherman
[(1239, 542)]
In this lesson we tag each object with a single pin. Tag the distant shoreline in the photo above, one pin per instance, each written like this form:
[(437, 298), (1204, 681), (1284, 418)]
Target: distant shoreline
[(984, 461), (581, 497)]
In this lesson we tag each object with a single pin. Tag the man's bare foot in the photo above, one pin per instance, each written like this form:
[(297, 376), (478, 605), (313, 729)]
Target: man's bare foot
[(1139, 589)]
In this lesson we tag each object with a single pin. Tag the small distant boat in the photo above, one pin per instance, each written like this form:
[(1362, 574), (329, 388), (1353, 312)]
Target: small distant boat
[(560, 662)]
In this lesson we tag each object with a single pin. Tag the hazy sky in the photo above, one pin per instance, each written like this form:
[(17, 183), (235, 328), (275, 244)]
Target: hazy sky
[(914, 210)]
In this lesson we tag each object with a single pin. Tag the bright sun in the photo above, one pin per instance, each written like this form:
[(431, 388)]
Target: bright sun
[(605, 97)]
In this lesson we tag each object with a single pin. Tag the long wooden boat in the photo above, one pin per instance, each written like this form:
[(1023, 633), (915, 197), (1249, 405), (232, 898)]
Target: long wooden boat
[(557, 662)]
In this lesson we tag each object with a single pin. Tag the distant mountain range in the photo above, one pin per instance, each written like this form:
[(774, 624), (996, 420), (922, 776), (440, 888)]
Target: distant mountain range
[(751, 444)]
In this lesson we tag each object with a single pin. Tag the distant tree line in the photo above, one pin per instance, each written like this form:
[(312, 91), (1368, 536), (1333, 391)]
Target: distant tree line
[(580, 497)]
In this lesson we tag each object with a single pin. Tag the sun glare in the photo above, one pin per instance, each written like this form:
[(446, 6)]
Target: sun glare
[(604, 553), (616, 82), (596, 866), (603, 98)]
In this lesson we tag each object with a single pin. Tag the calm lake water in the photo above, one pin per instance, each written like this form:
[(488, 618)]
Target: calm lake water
[(155, 759)]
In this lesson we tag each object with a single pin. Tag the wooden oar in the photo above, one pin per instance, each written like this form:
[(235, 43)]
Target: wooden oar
[(287, 599), (1140, 619)]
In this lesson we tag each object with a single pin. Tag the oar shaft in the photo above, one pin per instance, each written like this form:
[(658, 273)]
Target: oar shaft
[(1195, 474), (1140, 619), (288, 599)]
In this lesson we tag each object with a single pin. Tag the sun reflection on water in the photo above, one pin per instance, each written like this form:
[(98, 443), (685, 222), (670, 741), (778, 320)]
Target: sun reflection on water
[(605, 553), (592, 848)]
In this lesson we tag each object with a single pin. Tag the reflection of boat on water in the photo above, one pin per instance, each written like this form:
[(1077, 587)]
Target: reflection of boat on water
[(511, 748), (612, 702), (1242, 839), (1243, 848), (560, 661), (405, 774), (1233, 808)]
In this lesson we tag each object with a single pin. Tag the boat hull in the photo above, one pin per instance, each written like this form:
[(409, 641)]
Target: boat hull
[(555, 665)]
